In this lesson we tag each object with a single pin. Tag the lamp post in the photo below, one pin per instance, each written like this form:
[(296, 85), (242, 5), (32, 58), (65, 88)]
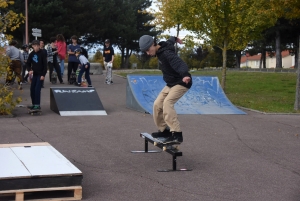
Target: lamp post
[(26, 22)]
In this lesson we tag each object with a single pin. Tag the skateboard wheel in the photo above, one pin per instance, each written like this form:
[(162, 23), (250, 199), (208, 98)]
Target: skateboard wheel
[(155, 143), (164, 148)]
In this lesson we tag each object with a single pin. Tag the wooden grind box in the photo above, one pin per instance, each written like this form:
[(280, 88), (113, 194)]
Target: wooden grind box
[(37, 167)]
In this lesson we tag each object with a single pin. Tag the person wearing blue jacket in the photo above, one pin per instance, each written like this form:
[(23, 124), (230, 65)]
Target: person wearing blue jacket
[(178, 82)]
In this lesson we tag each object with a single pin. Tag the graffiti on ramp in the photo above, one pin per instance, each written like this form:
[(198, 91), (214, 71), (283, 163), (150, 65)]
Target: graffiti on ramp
[(205, 96)]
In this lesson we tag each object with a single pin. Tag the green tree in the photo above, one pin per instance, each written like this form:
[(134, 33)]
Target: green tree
[(132, 24), (57, 16), (289, 9)]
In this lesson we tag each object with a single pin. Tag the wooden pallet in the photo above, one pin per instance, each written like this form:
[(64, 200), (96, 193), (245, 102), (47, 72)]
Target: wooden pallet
[(20, 195)]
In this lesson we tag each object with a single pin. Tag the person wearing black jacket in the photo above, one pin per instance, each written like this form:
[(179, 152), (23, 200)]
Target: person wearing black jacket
[(37, 68), (178, 82)]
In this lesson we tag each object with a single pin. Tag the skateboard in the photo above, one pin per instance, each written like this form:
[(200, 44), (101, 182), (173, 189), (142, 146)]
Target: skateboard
[(109, 73), (166, 145), (54, 78), (159, 142), (32, 112), (72, 78)]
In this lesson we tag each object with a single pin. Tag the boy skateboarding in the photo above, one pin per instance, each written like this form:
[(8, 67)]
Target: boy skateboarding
[(178, 82)]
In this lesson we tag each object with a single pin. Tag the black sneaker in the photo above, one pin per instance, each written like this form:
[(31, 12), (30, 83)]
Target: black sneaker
[(90, 86), (176, 137), (77, 84), (166, 133)]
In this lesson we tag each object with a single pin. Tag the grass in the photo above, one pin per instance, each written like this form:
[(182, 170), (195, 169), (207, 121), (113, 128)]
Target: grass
[(266, 92)]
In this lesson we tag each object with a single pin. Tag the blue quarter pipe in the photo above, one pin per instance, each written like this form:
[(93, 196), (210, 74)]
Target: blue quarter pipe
[(205, 96)]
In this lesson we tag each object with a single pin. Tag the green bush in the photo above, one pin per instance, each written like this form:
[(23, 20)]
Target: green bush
[(117, 61)]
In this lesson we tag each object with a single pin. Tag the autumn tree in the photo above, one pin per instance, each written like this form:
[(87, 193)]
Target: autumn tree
[(9, 22), (228, 24), (166, 18)]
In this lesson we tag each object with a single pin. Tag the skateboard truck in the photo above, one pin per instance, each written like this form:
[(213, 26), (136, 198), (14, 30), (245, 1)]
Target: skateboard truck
[(169, 149), (146, 149)]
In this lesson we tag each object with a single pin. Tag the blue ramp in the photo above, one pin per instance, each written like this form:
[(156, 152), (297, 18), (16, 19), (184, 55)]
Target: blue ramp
[(205, 96)]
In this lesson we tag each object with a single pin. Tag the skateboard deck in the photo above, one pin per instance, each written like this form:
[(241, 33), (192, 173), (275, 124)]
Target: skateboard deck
[(166, 145), (160, 141), (109, 73), (73, 78), (32, 112)]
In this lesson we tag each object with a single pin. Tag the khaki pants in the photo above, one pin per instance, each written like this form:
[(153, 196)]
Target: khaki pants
[(164, 113), (15, 67)]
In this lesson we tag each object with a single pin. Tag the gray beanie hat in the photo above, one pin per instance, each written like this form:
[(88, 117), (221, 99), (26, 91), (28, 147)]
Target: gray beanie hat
[(145, 42)]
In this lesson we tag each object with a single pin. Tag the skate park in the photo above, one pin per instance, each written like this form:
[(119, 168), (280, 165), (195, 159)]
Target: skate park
[(233, 157)]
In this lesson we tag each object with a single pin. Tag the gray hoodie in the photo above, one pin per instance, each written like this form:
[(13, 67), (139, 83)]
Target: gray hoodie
[(174, 69), (14, 53)]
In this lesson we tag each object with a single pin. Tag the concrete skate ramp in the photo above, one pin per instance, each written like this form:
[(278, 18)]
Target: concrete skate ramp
[(205, 97)]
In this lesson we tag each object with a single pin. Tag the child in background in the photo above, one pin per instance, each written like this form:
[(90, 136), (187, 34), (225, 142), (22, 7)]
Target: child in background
[(25, 55), (84, 68)]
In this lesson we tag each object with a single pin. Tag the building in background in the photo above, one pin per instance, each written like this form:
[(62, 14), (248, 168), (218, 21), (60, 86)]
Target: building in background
[(288, 61)]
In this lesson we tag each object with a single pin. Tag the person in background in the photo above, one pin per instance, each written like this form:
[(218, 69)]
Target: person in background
[(62, 50), (25, 54), (17, 60), (73, 60), (53, 60), (84, 68), (108, 55), (42, 47)]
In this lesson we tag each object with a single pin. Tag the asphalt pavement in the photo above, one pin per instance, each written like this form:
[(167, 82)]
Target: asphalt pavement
[(253, 157)]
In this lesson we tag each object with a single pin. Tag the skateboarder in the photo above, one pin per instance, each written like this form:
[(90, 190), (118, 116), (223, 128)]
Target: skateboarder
[(37, 67), (178, 82), (84, 68), (73, 60), (108, 55)]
